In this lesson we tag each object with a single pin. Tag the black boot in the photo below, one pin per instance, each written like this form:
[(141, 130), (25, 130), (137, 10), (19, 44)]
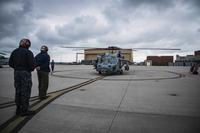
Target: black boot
[(18, 111), (43, 97), (28, 112)]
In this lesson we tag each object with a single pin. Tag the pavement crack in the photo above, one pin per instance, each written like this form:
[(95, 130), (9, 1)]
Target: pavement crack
[(118, 108)]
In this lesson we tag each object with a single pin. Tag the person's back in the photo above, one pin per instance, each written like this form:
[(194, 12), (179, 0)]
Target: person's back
[(22, 60)]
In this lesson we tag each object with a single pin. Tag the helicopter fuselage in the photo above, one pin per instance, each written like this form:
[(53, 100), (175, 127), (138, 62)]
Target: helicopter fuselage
[(109, 64)]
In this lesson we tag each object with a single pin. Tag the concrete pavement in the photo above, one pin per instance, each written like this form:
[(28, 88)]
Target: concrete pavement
[(146, 99)]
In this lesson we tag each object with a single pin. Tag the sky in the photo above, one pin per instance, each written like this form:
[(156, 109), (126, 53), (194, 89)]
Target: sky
[(101, 23)]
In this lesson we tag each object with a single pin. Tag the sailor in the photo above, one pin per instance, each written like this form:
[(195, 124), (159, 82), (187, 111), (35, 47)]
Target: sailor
[(192, 68), (22, 61), (119, 54), (52, 66), (195, 69), (42, 67)]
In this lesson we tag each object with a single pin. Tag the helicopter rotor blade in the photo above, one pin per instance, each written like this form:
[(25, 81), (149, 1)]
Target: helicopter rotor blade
[(109, 47), (113, 47), (1, 53), (155, 49), (76, 47), (5, 53)]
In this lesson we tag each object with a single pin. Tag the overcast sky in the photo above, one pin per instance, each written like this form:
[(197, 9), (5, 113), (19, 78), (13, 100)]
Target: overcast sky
[(101, 23)]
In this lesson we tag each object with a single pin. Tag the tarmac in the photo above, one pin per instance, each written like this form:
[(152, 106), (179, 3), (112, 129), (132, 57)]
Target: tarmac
[(146, 99)]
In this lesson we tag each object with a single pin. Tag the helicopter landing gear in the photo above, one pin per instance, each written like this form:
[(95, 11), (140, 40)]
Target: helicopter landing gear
[(121, 72), (126, 67), (103, 72)]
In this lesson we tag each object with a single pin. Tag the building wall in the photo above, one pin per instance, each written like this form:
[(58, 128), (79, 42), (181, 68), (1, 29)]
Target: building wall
[(91, 54), (187, 60), (197, 53), (160, 60)]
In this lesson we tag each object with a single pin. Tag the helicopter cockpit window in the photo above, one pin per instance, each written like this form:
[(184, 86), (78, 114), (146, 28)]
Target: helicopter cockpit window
[(110, 59), (113, 60), (105, 60)]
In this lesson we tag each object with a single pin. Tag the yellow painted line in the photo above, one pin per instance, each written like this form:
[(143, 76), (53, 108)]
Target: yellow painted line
[(41, 104), (13, 125)]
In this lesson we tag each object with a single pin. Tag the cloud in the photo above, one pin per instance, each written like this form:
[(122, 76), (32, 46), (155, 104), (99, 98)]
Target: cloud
[(15, 22), (13, 14), (79, 29), (124, 23), (156, 4), (193, 4), (152, 24), (130, 9), (83, 28)]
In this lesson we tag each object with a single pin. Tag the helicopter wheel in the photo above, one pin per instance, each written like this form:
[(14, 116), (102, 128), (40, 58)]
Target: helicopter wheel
[(121, 72), (126, 67)]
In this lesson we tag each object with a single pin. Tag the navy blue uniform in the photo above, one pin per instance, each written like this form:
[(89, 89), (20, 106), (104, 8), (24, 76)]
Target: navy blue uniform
[(22, 61), (52, 65), (43, 61)]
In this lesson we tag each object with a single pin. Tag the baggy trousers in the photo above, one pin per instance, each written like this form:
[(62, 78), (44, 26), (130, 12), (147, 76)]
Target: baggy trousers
[(23, 84), (43, 83)]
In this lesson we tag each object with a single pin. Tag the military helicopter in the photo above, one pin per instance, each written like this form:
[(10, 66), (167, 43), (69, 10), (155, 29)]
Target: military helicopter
[(110, 63), (113, 62)]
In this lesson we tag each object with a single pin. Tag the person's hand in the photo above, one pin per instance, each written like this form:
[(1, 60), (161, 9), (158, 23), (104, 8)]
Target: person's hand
[(37, 68)]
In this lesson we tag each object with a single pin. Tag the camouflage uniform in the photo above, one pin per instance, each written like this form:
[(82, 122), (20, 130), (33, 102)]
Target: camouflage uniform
[(23, 84), (23, 62)]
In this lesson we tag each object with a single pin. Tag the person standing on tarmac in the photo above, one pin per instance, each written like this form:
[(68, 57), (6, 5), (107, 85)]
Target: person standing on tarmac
[(23, 63), (196, 67), (42, 67), (52, 66)]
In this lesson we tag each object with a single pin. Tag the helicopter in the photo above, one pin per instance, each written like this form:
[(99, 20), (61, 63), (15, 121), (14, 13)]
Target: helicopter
[(113, 62), (110, 63)]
